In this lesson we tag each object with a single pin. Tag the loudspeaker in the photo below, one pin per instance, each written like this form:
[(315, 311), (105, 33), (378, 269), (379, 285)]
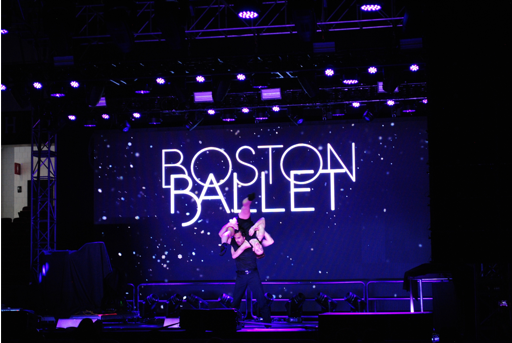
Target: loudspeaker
[(218, 320)]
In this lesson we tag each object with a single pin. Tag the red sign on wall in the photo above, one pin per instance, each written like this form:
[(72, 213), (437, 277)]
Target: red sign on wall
[(17, 169)]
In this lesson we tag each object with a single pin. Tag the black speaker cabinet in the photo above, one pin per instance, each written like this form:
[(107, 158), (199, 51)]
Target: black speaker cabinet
[(219, 320)]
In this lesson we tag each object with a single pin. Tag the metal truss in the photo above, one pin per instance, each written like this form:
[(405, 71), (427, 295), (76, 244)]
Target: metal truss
[(217, 19), (43, 225)]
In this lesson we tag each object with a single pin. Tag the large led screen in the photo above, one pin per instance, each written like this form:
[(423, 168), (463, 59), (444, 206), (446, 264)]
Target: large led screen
[(342, 200)]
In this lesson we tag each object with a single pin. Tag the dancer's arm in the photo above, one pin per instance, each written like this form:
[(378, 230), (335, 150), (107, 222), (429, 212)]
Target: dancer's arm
[(268, 240), (240, 250)]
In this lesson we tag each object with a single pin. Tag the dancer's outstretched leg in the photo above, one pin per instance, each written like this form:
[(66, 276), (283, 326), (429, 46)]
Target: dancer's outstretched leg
[(245, 212)]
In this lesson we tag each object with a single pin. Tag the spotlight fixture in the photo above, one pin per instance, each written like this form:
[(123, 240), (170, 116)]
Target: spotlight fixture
[(368, 116), (372, 70), (261, 115), (74, 84), (356, 303), (248, 9), (200, 78), (4, 31), (390, 102), (160, 80), (329, 72), (72, 117), (425, 101), (269, 300), (356, 104), (294, 308), (105, 116), (58, 95), (240, 77), (276, 108), (3, 87), (296, 119), (328, 304), (90, 123), (211, 111), (414, 67), (371, 7), (136, 115), (350, 81), (245, 110), (155, 121), (150, 306), (229, 117), (175, 304), (226, 300), (197, 302), (37, 85)]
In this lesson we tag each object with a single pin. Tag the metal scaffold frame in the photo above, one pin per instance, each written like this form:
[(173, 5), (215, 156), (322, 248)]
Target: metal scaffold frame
[(43, 206)]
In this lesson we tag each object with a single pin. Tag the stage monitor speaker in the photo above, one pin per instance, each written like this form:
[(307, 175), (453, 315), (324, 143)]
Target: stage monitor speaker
[(217, 320)]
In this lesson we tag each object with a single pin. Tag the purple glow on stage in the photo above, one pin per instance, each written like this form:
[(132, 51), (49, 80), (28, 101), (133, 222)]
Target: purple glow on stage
[(105, 116), (90, 124), (228, 119), (37, 85), (136, 115), (200, 78), (58, 95), (4, 31), (160, 81), (329, 72), (390, 102), (3, 87), (350, 81), (240, 77), (409, 110), (142, 91), (245, 110), (371, 8), (425, 101), (276, 108), (372, 70), (211, 111), (414, 67), (74, 84), (72, 117), (356, 104), (247, 14)]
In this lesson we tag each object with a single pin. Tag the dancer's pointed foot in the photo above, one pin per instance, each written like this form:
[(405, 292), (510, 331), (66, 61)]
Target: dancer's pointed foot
[(251, 196), (223, 248)]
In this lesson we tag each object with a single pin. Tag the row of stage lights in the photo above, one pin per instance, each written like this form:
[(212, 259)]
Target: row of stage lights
[(294, 305), (329, 72)]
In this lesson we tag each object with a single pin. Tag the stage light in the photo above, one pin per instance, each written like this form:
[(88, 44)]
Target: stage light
[(390, 102), (90, 123), (3, 87), (175, 303), (328, 304), (136, 115), (368, 116), (4, 31), (37, 85), (74, 84), (228, 117), (203, 97), (245, 110), (150, 306), (160, 81), (197, 302), (211, 111), (372, 70), (329, 72), (276, 108), (370, 7), (155, 121), (191, 121), (58, 95), (271, 94), (240, 77), (350, 81), (72, 117), (105, 116), (248, 14), (356, 104), (425, 101), (142, 91), (200, 78), (296, 119), (294, 308), (226, 300), (414, 67), (248, 9), (356, 303), (261, 115)]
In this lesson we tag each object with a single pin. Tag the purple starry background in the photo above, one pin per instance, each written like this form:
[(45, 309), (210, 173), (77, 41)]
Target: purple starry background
[(379, 228)]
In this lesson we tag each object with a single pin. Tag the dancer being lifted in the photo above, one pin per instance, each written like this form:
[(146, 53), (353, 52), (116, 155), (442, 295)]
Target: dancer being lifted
[(255, 234)]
